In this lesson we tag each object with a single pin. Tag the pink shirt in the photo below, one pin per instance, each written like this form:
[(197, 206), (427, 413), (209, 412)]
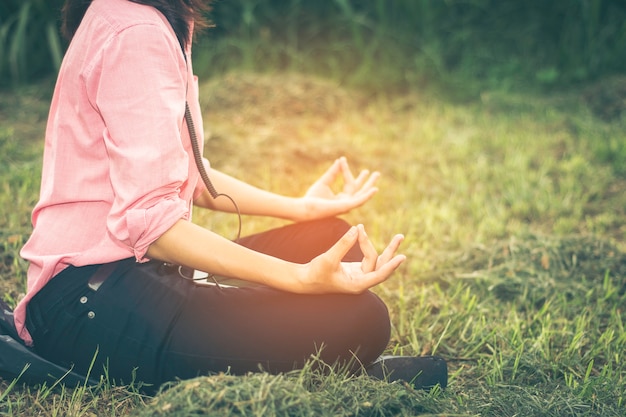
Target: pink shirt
[(118, 168)]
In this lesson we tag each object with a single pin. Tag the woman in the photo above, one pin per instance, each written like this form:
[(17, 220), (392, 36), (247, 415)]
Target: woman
[(113, 220)]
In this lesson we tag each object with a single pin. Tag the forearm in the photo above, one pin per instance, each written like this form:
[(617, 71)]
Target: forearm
[(250, 199), (191, 245)]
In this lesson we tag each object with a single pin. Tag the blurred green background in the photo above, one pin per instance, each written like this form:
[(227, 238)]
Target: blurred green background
[(464, 46)]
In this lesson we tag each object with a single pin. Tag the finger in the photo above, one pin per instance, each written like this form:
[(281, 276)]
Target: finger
[(358, 182), (390, 251), (383, 273), (343, 245), (370, 256), (368, 185), (360, 198), (331, 173), (348, 178), (347, 203), (390, 266)]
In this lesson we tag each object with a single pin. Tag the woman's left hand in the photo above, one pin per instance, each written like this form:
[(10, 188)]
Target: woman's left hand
[(321, 201)]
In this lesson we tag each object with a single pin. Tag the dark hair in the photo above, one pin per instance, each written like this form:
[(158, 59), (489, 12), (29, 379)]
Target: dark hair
[(179, 13)]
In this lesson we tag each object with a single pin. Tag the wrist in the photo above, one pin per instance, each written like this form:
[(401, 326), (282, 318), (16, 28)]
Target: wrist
[(292, 277), (295, 209), (301, 279)]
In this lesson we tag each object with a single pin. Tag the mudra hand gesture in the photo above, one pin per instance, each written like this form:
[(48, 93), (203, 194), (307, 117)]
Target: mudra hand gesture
[(327, 273), (321, 201)]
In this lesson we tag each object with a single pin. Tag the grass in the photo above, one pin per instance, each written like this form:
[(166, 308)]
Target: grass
[(514, 222)]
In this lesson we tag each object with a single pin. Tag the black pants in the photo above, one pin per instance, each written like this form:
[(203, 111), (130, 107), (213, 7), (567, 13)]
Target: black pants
[(147, 323)]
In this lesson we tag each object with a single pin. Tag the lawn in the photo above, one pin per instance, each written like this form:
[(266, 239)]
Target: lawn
[(513, 207)]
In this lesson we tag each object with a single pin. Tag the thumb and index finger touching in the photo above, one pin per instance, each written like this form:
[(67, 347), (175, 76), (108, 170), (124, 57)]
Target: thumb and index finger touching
[(365, 179), (380, 265)]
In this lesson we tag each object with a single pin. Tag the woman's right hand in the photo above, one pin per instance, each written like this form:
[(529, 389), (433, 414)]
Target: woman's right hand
[(327, 273), (189, 244)]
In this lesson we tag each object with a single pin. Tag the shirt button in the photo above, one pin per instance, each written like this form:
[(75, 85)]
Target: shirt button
[(91, 314), (83, 299)]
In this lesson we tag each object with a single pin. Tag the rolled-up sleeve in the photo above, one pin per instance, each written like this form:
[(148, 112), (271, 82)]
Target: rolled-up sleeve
[(140, 91)]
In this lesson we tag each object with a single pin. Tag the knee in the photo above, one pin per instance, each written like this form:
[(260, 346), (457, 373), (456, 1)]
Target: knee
[(379, 317), (374, 327)]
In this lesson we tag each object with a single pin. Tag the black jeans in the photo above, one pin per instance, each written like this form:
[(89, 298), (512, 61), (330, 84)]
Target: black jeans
[(147, 323)]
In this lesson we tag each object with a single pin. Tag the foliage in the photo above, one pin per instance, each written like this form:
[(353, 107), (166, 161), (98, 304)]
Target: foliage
[(30, 44), (495, 43), (465, 45)]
